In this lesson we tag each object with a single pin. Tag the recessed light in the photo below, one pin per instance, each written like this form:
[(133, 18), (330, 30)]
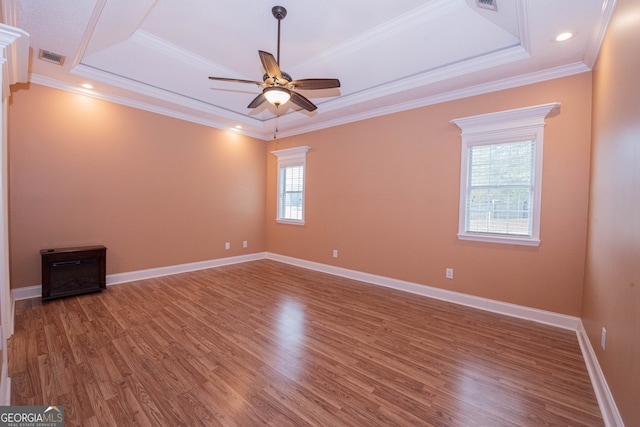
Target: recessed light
[(238, 127), (86, 86), (564, 36)]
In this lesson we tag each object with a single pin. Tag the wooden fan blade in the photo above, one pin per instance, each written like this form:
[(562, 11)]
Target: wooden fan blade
[(309, 84), (270, 64), (303, 102), (224, 79), (257, 101)]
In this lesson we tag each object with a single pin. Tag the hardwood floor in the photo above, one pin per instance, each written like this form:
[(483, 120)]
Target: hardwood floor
[(264, 343)]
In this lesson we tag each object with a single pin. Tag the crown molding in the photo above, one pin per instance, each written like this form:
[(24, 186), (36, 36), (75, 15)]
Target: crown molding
[(593, 48), (509, 83), (14, 49), (56, 84), (319, 124)]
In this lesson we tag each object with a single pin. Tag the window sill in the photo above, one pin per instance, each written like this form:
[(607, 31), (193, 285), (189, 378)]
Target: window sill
[(502, 239), (289, 221)]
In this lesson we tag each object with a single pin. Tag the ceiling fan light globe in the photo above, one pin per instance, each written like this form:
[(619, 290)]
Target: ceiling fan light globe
[(277, 95)]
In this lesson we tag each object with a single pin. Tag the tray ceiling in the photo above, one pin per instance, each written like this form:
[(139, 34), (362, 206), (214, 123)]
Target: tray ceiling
[(157, 54)]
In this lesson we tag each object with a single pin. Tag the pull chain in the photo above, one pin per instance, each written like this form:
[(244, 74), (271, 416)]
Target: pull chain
[(275, 132)]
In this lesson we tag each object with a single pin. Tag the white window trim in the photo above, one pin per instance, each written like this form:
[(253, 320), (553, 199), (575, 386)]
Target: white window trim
[(522, 124), (296, 156)]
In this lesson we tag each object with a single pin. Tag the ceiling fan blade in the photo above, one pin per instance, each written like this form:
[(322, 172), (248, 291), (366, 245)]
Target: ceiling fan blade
[(270, 64), (309, 84), (257, 101), (224, 79), (301, 101)]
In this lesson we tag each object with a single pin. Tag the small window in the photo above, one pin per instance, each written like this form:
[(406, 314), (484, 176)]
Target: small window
[(291, 191), (291, 184), (501, 175)]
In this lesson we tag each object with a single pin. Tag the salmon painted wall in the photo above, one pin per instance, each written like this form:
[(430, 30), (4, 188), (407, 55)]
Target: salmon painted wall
[(612, 279), (155, 191), (385, 193)]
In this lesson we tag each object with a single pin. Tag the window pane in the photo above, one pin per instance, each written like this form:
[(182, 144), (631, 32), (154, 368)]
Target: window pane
[(293, 205), (503, 211), (500, 188), (502, 164)]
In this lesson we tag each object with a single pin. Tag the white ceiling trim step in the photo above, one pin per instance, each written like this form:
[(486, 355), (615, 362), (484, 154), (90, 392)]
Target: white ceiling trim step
[(88, 32), (180, 54), (164, 95), (420, 16), (495, 59), (523, 24), (504, 84)]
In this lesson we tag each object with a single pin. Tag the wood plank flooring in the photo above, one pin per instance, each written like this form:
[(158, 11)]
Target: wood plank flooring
[(268, 344)]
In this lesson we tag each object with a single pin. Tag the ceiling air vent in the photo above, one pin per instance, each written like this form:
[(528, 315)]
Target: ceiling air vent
[(48, 56), (487, 4)]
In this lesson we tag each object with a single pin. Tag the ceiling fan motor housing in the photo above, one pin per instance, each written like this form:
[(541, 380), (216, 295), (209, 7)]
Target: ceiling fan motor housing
[(284, 75)]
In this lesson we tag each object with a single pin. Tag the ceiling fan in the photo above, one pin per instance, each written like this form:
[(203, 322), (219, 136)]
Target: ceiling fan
[(278, 87)]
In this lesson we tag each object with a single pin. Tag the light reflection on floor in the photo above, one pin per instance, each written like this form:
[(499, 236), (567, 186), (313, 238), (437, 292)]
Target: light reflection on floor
[(478, 396), (290, 335)]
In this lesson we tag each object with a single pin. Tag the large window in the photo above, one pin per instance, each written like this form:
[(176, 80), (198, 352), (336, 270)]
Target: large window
[(291, 183), (500, 188), (501, 175)]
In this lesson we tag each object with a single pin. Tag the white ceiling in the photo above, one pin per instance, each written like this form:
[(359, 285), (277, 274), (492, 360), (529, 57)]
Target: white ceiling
[(389, 56)]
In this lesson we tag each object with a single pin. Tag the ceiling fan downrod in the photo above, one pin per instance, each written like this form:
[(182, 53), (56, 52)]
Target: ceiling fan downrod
[(279, 12)]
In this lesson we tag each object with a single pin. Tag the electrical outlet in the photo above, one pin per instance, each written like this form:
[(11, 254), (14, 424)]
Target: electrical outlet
[(449, 273), (603, 338), (227, 245), (335, 253), (244, 244)]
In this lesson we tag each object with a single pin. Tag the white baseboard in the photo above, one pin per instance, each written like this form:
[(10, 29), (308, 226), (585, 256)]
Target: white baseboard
[(5, 399), (26, 293), (536, 315), (114, 279), (605, 399), (608, 407), (541, 316), (5, 383)]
